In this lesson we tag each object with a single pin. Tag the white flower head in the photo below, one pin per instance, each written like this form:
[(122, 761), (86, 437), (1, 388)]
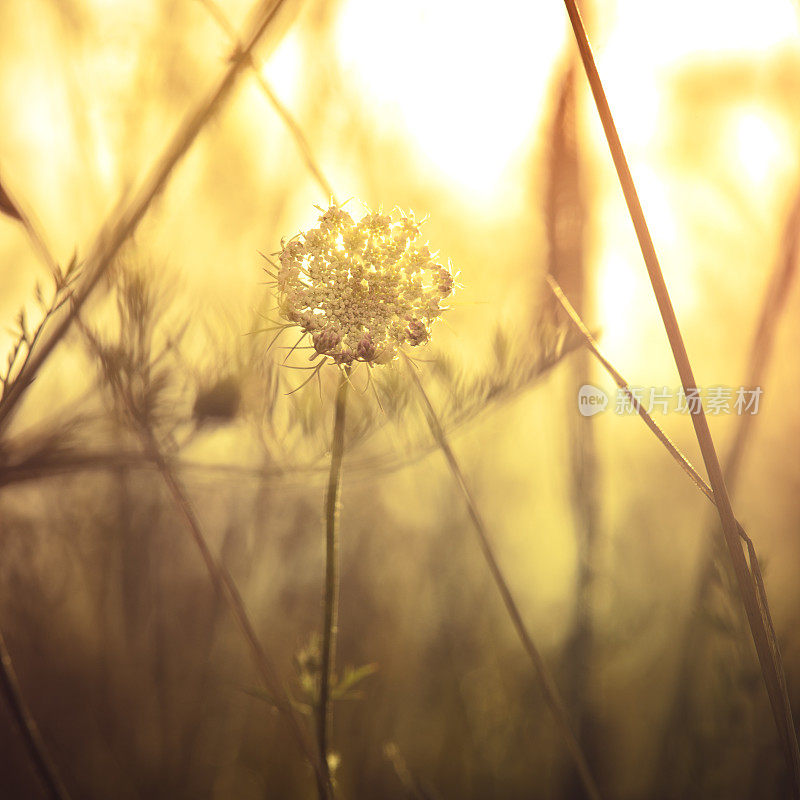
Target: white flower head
[(362, 290)]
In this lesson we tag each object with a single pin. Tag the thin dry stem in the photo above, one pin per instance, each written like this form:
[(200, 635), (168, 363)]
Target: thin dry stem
[(679, 457), (671, 448), (761, 351), (221, 580), (552, 696), (226, 588), (766, 647), (46, 770), (592, 345), (283, 112)]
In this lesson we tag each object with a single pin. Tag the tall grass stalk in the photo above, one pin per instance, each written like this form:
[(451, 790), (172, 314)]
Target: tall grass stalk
[(549, 688), (669, 445), (765, 644), (122, 225), (331, 600), (760, 355), (678, 456)]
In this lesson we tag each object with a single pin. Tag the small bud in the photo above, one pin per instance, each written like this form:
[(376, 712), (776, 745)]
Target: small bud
[(325, 340), (366, 349)]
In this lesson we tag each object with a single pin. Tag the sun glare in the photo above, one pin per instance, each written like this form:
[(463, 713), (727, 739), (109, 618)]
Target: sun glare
[(616, 295), (636, 70), (467, 86), (757, 147), (283, 70)]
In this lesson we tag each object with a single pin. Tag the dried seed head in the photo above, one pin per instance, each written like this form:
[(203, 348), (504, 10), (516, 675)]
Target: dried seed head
[(362, 290)]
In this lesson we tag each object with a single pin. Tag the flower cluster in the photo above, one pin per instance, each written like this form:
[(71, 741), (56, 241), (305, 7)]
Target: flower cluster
[(363, 289)]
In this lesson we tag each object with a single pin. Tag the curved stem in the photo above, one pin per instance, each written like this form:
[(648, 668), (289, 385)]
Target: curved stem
[(330, 613)]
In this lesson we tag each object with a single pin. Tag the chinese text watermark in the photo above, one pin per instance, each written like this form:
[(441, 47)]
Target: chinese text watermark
[(715, 400)]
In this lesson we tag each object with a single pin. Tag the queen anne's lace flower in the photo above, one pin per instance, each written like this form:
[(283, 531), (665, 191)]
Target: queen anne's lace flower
[(362, 290)]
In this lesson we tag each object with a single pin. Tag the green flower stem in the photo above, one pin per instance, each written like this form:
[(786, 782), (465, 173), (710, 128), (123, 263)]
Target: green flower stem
[(330, 614)]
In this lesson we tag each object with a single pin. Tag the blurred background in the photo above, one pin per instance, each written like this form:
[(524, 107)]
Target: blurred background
[(479, 116)]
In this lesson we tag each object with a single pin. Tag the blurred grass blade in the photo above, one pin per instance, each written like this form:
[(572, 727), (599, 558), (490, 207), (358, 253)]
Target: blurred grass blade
[(565, 217), (761, 347), (766, 647), (45, 768), (7, 206), (15, 208)]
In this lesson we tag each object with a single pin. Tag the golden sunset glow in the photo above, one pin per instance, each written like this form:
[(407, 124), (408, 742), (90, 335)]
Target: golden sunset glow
[(313, 480)]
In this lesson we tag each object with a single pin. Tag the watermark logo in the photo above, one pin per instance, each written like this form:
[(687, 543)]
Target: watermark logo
[(591, 400), (715, 400)]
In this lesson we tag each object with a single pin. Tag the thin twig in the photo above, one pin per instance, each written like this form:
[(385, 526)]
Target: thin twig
[(673, 450), (331, 607), (45, 767), (46, 770), (592, 345), (766, 646), (123, 225), (552, 696), (283, 112)]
